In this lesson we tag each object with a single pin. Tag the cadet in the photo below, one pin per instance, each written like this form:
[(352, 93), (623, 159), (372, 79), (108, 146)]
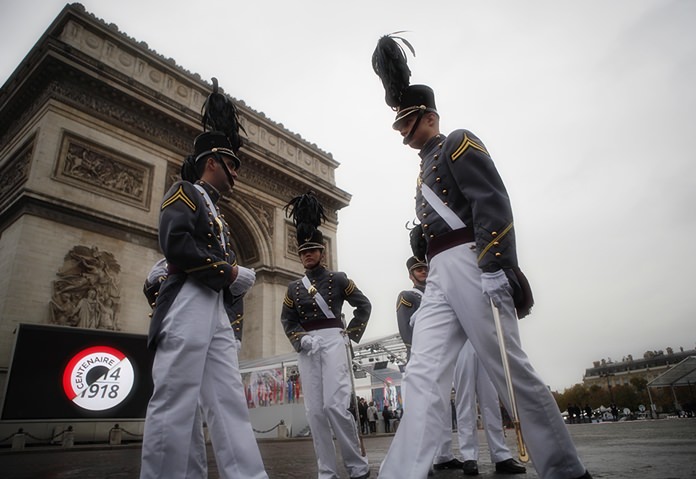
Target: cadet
[(311, 317), (470, 382), (195, 348), (467, 226)]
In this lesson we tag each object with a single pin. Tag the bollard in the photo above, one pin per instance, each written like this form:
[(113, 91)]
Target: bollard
[(19, 439), (282, 430), (115, 436), (68, 438)]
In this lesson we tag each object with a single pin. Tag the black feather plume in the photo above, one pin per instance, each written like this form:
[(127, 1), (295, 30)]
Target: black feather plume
[(306, 213), (220, 114), (417, 238), (390, 64)]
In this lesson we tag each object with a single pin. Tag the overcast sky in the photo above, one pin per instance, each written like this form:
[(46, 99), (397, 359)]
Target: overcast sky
[(587, 108)]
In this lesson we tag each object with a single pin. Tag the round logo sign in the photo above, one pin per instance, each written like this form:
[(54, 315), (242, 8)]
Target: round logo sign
[(98, 378)]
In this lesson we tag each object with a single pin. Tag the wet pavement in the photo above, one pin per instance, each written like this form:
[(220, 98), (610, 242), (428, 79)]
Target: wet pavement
[(659, 449)]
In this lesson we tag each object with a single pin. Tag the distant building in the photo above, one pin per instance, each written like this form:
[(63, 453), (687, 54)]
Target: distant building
[(607, 373)]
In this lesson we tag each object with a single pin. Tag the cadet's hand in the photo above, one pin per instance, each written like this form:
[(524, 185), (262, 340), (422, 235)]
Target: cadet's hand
[(245, 280), (233, 273), (310, 344), (496, 286)]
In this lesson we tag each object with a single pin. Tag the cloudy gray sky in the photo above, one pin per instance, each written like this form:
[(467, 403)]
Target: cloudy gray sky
[(587, 108)]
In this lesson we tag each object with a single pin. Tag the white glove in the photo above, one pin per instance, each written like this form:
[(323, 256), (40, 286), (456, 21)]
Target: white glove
[(310, 344), (496, 287), (245, 280), (412, 321), (159, 270)]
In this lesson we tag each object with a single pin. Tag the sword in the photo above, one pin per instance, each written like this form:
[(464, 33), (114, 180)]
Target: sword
[(349, 354), (521, 449)]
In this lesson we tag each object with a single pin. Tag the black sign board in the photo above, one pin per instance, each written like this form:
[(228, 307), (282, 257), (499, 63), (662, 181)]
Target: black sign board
[(62, 372)]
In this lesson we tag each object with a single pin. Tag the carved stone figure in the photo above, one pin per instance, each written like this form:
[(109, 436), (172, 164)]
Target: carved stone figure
[(86, 293)]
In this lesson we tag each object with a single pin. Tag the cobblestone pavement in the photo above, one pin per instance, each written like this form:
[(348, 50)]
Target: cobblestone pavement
[(659, 449)]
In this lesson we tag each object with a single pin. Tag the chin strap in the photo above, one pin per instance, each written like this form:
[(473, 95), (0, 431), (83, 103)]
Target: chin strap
[(219, 159), (409, 137)]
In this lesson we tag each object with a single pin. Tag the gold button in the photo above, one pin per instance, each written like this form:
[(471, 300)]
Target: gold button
[(222, 271), (436, 156), (495, 233), (208, 260), (424, 215), (425, 226), (210, 246), (437, 179), (495, 243), (498, 255), (153, 304), (434, 167)]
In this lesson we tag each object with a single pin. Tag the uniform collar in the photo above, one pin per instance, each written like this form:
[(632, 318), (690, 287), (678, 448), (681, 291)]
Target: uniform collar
[(431, 145), (213, 193), (315, 272)]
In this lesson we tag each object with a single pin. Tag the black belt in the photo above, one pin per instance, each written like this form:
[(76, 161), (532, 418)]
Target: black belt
[(324, 323), (171, 269), (449, 240)]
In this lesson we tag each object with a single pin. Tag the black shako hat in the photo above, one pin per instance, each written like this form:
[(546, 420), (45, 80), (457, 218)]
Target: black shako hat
[(307, 213), (214, 142), (390, 64), (315, 241), (415, 99), (413, 263)]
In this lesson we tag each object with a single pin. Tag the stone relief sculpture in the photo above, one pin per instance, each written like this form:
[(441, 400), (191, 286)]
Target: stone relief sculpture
[(86, 293), (100, 170)]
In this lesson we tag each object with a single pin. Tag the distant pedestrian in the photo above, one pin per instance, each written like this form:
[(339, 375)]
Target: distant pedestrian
[(386, 417), (372, 417)]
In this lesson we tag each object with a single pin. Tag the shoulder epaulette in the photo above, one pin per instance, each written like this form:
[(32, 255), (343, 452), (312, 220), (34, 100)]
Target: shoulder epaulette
[(465, 145), (288, 302), (179, 195), (403, 301), (350, 288)]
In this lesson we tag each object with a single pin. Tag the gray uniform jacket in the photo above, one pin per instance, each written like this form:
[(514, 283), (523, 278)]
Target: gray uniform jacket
[(190, 239), (301, 313), (461, 173), (406, 305)]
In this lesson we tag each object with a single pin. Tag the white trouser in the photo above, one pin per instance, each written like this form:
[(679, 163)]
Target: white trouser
[(471, 382), (443, 451), (196, 359), (198, 459), (454, 310), (326, 386)]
